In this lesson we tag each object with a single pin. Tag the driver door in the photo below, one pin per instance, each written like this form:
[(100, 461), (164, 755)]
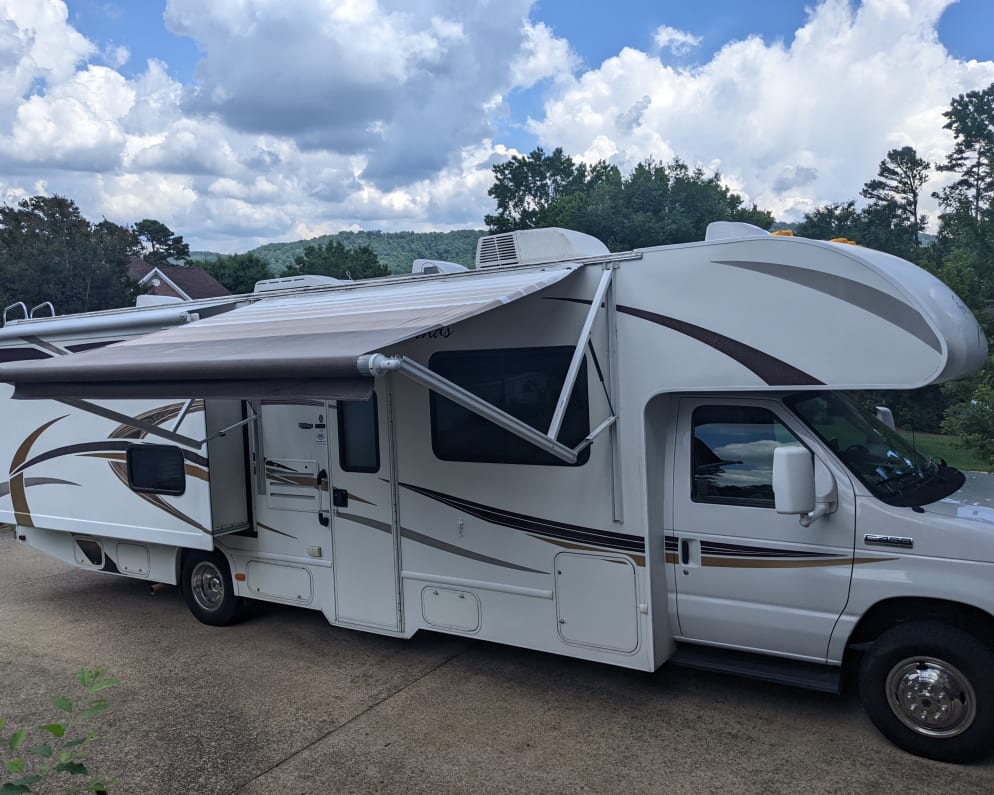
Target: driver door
[(744, 575)]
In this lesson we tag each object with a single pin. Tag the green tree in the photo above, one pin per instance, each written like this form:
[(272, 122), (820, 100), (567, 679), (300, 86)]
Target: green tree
[(526, 185), (895, 192), (49, 252), (334, 259), (655, 204), (970, 118), (831, 221), (238, 272), (158, 245)]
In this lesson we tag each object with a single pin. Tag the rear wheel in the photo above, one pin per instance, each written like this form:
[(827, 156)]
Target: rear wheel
[(927, 687), (208, 588)]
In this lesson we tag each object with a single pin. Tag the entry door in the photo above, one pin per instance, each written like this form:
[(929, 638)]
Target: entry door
[(745, 575), (363, 526)]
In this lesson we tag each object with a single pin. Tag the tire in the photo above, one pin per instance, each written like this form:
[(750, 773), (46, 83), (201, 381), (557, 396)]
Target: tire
[(928, 688), (208, 589)]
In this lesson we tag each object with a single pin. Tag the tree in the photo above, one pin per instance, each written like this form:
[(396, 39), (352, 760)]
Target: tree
[(526, 185), (49, 252), (334, 259), (655, 204), (238, 272), (971, 119), (158, 245), (898, 184)]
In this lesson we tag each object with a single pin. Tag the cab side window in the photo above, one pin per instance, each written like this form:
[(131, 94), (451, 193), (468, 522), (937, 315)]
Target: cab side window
[(732, 454)]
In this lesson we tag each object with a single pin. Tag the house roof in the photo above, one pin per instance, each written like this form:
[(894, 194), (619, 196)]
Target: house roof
[(188, 281)]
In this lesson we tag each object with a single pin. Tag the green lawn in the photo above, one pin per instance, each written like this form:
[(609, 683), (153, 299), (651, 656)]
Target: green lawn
[(947, 447)]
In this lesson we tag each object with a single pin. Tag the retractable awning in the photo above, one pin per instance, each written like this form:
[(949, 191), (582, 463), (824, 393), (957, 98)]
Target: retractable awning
[(304, 345)]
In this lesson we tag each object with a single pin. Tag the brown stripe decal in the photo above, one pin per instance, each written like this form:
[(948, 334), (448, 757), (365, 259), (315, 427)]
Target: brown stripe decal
[(533, 525), (773, 371)]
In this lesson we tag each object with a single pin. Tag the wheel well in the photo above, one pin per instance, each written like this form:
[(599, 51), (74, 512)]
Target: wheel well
[(181, 554), (891, 612)]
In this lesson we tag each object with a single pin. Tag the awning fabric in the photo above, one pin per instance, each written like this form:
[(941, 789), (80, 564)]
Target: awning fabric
[(302, 345)]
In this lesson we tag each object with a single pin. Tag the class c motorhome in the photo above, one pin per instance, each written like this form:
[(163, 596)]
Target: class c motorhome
[(631, 458)]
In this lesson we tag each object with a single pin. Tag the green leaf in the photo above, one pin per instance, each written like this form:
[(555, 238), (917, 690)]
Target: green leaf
[(3, 722), (62, 703), (80, 741), (13, 789), (55, 729), (103, 684), (16, 739), (27, 781), (44, 749), (95, 709), (14, 765), (74, 768)]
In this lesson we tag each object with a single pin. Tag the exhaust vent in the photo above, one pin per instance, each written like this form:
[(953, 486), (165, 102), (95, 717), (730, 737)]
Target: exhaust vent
[(534, 246)]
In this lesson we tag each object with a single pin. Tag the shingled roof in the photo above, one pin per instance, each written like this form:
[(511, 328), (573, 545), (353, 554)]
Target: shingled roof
[(180, 281)]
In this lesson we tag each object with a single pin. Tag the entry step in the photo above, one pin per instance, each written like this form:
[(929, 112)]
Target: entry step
[(811, 676)]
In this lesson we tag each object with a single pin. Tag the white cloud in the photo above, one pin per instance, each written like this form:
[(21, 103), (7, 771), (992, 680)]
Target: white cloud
[(676, 41), (542, 56), (310, 116), (795, 124)]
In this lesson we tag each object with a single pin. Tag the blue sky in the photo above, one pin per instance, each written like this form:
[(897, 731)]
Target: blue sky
[(240, 123)]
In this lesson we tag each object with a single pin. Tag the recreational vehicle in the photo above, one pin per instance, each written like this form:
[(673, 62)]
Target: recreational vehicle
[(631, 458)]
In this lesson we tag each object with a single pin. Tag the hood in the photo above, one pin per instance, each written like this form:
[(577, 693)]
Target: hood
[(975, 500)]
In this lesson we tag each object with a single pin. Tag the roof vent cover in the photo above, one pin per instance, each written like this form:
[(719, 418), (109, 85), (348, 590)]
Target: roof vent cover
[(533, 246)]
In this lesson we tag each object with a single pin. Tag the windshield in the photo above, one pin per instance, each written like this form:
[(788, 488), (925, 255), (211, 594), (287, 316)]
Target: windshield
[(881, 458)]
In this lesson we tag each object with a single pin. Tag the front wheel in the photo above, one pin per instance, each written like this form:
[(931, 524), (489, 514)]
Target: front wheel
[(208, 589), (927, 687)]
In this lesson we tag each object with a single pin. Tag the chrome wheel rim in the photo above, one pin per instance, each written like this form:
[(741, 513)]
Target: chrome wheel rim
[(207, 585), (931, 697)]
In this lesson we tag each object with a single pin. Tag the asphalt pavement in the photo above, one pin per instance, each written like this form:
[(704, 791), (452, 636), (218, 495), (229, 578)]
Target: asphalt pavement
[(285, 703)]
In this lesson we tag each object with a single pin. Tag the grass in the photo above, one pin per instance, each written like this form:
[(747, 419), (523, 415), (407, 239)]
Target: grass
[(948, 447)]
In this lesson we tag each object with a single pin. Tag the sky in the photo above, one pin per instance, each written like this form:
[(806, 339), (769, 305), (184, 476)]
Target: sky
[(243, 122)]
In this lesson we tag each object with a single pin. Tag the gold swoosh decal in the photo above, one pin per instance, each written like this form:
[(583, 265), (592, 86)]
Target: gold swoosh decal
[(18, 497)]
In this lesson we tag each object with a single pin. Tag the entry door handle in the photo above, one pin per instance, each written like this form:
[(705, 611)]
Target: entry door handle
[(323, 518)]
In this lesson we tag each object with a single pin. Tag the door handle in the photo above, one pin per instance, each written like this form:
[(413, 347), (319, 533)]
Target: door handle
[(690, 554), (323, 518), (340, 498)]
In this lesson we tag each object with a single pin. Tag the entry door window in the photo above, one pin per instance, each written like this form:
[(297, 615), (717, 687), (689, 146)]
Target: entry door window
[(358, 435), (732, 454)]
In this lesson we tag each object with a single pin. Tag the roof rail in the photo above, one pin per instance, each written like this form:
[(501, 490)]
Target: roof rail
[(42, 305), (24, 309)]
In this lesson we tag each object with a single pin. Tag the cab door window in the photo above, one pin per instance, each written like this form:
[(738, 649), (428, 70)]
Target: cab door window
[(732, 454)]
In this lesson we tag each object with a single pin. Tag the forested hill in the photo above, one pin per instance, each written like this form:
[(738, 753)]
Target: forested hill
[(396, 250)]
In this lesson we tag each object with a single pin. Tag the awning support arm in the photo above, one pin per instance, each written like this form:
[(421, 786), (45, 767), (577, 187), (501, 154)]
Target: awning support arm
[(377, 364), (131, 422), (578, 353)]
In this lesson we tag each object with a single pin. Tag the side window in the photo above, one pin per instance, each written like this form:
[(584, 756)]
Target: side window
[(358, 435), (732, 455), (524, 382), (156, 468)]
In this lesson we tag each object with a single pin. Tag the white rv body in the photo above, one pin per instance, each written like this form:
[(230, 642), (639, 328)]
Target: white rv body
[(345, 480)]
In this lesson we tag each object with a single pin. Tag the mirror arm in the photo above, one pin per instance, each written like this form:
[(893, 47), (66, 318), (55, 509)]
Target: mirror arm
[(821, 509)]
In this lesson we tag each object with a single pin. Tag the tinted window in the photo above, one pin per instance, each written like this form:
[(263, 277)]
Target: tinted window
[(732, 455), (358, 437), (524, 382), (156, 468)]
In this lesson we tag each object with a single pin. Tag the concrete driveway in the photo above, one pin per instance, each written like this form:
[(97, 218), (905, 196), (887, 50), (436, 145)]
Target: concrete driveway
[(285, 703)]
